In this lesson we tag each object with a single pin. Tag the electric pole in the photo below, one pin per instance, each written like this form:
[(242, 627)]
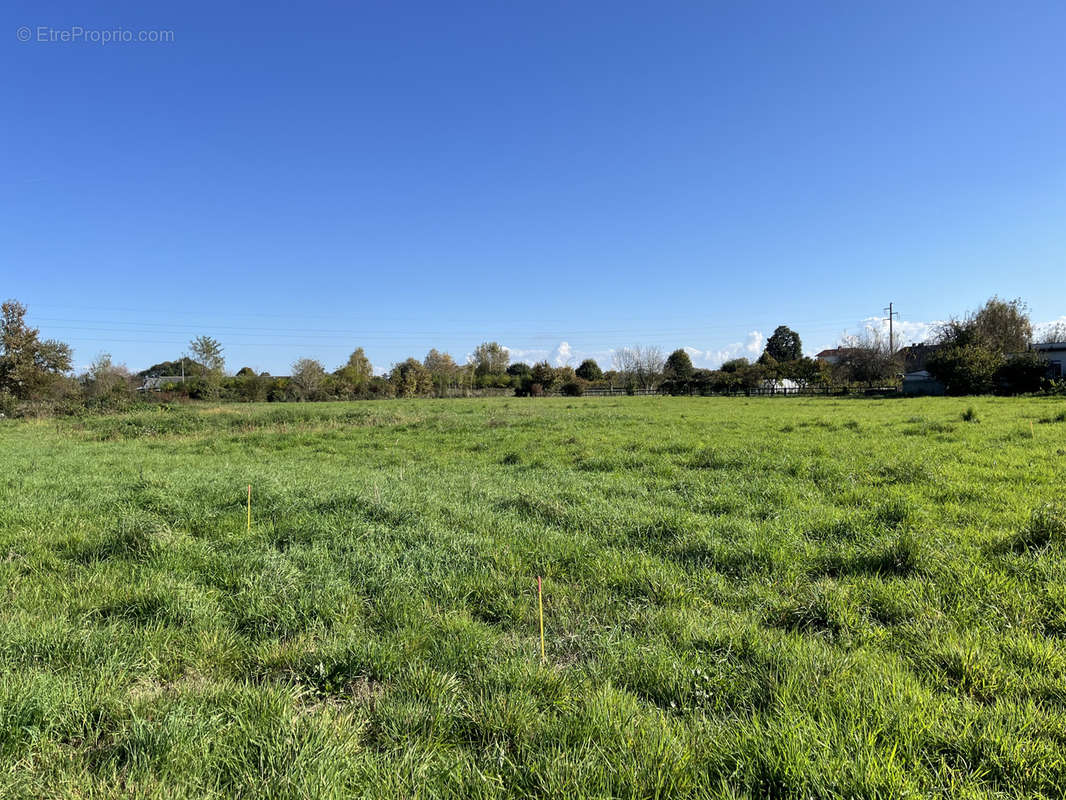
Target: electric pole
[(891, 316)]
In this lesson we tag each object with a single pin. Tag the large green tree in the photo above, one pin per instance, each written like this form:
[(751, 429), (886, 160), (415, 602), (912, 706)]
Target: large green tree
[(784, 344), (999, 326), (976, 349), (589, 370), (309, 377), (410, 378), (30, 368), (678, 366), (490, 358), (354, 377), (543, 374), (442, 369)]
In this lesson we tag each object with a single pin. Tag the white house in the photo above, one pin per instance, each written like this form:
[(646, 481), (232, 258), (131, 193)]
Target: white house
[(1054, 353)]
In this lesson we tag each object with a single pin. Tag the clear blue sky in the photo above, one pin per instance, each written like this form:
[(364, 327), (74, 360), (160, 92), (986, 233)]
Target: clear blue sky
[(298, 180)]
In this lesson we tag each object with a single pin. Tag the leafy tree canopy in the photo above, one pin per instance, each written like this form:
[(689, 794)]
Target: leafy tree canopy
[(589, 370), (734, 364), (999, 326), (678, 366), (490, 358), (167, 368), (209, 352), (28, 365), (784, 344)]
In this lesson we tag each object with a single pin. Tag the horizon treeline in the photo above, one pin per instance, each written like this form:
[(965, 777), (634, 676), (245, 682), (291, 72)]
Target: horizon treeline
[(988, 350)]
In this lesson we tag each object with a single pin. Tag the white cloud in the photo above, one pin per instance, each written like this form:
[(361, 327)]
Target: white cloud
[(560, 355), (905, 332), (713, 358), (527, 356)]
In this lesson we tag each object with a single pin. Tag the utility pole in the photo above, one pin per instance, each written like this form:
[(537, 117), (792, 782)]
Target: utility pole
[(891, 316)]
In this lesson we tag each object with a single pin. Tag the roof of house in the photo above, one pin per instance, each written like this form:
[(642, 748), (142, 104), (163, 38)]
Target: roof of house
[(161, 380), (1050, 346)]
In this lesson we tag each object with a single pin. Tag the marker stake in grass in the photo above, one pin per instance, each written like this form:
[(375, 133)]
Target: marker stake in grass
[(540, 607), (249, 508)]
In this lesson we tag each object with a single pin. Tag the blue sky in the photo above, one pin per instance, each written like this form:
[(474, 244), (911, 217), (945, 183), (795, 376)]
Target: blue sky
[(565, 178)]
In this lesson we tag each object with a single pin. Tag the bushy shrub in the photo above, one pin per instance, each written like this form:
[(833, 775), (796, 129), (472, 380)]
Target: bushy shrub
[(970, 369), (1023, 373), (573, 389), (589, 370)]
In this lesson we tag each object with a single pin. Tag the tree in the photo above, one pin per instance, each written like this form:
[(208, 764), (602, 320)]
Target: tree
[(30, 369), (179, 366), (770, 365), (209, 351), (1003, 326), (784, 344), (974, 351), (572, 389), (589, 370), (543, 374), (308, 376), (866, 359), (249, 386), (106, 384), (410, 379), (353, 378), (1055, 332), (565, 374), (519, 369), (999, 326), (734, 365), (442, 369), (678, 366), (641, 366), (965, 369), (806, 371), (678, 372), (439, 363), (1022, 373), (490, 358)]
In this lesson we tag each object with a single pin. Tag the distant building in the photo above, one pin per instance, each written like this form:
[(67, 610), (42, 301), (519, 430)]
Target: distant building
[(834, 355), (915, 356), (1054, 353), (921, 382), (156, 384)]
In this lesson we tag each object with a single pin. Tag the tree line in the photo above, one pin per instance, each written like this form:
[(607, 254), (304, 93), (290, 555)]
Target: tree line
[(988, 350)]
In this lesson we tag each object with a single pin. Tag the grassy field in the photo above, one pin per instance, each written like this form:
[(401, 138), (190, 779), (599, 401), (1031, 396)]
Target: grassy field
[(768, 597)]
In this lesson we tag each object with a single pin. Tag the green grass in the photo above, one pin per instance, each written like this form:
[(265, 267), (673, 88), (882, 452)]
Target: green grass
[(765, 597)]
